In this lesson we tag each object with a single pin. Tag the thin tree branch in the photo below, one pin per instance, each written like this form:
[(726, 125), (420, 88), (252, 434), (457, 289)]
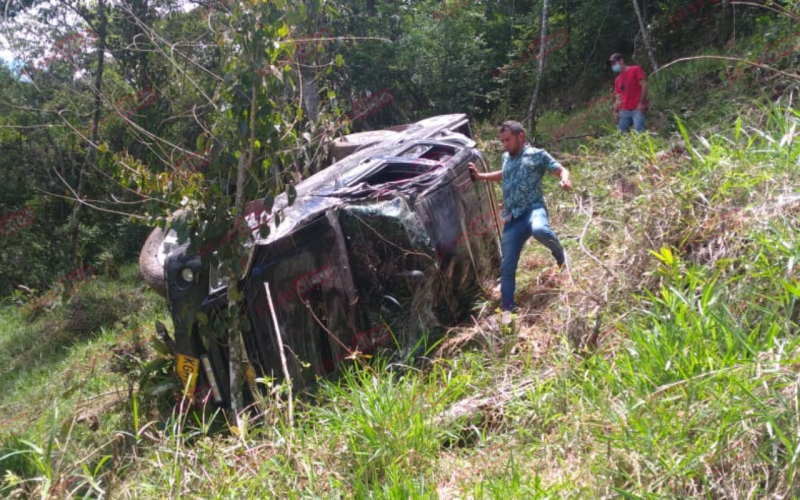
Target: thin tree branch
[(725, 58), (779, 10), (596, 37)]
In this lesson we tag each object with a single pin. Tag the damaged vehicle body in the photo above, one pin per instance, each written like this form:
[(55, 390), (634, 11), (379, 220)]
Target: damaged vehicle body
[(382, 249)]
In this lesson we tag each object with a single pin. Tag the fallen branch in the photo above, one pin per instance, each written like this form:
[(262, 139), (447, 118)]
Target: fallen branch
[(280, 351), (499, 397)]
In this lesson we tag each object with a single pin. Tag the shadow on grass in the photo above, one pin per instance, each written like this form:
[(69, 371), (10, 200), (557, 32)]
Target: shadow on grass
[(46, 340)]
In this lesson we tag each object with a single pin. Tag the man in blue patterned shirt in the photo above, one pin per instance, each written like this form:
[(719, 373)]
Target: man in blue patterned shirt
[(523, 169)]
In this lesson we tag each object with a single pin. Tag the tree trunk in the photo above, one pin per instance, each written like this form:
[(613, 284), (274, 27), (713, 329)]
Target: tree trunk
[(645, 35), (237, 355), (144, 76), (729, 24), (542, 56), (568, 8), (98, 103)]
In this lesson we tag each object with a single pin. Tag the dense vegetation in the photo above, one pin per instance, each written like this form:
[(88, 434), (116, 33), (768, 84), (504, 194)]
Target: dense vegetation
[(78, 63), (665, 366)]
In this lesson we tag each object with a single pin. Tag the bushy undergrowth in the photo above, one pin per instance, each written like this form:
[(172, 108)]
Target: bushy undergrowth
[(665, 366)]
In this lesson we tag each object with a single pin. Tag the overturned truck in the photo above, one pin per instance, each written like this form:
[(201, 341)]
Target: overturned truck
[(385, 247)]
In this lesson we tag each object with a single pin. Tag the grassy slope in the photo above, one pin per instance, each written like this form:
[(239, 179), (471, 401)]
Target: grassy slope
[(688, 390)]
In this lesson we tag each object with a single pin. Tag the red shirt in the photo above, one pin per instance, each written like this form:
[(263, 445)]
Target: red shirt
[(627, 84)]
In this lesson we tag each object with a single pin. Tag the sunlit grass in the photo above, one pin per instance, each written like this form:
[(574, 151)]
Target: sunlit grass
[(688, 270)]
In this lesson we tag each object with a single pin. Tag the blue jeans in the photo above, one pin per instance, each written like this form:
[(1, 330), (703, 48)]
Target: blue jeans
[(534, 222), (628, 118)]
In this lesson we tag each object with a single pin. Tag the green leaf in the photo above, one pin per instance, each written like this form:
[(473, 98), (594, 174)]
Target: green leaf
[(159, 346), (188, 315), (202, 318), (665, 256), (235, 294), (219, 328), (339, 60), (135, 424), (738, 128), (685, 134), (269, 201), (627, 495), (264, 111)]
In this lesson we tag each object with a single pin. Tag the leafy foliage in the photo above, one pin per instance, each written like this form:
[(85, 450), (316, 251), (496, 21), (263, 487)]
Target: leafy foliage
[(689, 392)]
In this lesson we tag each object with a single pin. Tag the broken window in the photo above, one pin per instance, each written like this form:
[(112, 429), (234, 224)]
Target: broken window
[(417, 160)]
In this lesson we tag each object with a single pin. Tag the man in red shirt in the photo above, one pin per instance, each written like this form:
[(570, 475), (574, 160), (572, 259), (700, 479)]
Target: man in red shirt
[(630, 88)]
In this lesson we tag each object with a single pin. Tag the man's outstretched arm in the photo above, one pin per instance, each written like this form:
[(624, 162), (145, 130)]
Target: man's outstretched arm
[(491, 176), (558, 170), (563, 174)]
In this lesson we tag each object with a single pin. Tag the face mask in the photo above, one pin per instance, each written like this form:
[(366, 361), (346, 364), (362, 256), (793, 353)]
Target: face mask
[(616, 68)]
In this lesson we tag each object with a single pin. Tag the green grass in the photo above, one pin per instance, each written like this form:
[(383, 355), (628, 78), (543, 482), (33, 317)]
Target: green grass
[(689, 391)]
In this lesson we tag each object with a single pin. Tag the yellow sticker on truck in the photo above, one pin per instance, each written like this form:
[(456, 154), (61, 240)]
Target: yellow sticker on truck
[(188, 368)]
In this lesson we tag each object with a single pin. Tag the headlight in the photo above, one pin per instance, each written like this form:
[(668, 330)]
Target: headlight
[(187, 275)]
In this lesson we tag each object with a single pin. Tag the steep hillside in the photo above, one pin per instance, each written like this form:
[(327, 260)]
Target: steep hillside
[(664, 364)]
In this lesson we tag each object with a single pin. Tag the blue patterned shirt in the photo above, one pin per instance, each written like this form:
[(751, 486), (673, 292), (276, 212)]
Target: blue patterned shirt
[(522, 178)]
